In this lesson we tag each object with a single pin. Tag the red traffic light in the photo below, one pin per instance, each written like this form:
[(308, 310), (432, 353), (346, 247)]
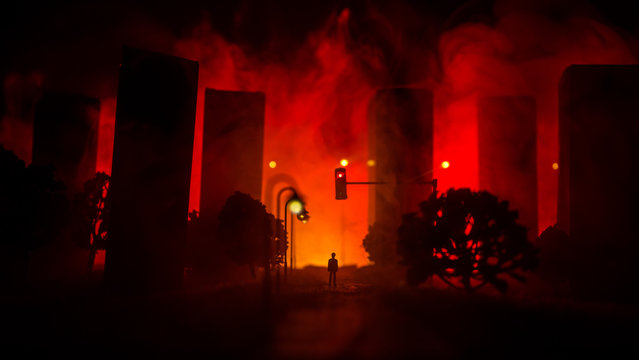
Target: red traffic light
[(340, 184)]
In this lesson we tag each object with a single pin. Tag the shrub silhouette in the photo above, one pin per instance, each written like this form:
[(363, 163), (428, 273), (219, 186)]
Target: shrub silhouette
[(245, 231), (467, 239), (381, 245)]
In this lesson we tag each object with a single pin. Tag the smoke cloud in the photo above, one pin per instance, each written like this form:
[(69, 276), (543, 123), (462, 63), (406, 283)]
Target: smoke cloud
[(318, 84)]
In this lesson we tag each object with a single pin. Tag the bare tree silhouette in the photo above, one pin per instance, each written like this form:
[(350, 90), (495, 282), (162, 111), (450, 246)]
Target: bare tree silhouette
[(91, 213), (467, 239)]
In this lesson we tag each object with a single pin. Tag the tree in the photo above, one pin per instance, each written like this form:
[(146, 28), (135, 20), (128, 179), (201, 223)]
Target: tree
[(381, 245), (91, 214), (33, 210), (280, 243), (249, 233), (467, 239)]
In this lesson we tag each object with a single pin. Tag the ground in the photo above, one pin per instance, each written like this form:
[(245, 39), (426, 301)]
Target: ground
[(307, 320)]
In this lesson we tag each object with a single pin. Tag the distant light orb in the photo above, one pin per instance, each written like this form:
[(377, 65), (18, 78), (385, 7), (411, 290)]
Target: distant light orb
[(370, 163), (295, 206), (343, 162), (555, 166), (272, 164), (445, 164)]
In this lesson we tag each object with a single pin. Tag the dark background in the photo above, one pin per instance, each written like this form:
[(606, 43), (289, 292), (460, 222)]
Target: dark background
[(76, 43)]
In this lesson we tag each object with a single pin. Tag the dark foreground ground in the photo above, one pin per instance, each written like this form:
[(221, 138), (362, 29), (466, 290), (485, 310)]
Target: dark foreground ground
[(308, 320)]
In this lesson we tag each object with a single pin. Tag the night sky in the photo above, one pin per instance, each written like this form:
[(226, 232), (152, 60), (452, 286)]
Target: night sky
[(77, 41)]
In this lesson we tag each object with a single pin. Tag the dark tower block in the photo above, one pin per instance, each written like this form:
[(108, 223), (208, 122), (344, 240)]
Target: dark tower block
[(152, 154), (65, 131), (507, 129), (3, 100), (401, 144), (233, 144), (598, 172)]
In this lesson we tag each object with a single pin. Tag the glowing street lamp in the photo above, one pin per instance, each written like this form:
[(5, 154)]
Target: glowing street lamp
[(296, 206), (445, 164), (344, 162)]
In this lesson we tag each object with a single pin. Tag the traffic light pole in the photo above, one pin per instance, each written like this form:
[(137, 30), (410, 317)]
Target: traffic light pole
[(366, 183), (432, 182), (341, 183)]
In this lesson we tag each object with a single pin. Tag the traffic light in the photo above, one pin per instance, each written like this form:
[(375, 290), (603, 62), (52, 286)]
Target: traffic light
[(340, 184)]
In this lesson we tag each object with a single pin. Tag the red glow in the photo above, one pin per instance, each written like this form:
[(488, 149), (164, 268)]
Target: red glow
[(480, 60), (316, 109), (315, 112)]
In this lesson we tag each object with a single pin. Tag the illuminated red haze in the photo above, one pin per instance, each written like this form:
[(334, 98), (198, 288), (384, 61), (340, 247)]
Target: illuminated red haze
[(316, 110)]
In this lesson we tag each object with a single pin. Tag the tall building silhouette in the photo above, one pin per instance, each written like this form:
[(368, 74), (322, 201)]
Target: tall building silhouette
[(152, 154), (232, 153), (507, 129), (401, 144), (598, 169)]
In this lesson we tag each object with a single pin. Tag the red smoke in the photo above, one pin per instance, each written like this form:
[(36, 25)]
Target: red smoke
[(316, 104), (315, 116), (524, 53)]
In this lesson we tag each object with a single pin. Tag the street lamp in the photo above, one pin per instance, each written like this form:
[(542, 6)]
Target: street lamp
[(279, 196), (303, 216), (296, 206)]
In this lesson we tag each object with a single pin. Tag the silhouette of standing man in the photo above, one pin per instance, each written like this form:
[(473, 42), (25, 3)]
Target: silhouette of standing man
[(332, 270)]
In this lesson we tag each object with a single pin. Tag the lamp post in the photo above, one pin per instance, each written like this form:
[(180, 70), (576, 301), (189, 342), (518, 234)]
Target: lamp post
[(279, 196), (296, 206)]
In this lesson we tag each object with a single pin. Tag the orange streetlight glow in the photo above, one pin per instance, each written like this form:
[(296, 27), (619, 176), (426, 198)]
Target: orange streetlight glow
[(555, 166), (344, 162), (272, 164), (445, 164), (296, 206)]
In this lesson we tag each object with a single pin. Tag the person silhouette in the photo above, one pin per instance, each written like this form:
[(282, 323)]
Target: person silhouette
[(332, 270)]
